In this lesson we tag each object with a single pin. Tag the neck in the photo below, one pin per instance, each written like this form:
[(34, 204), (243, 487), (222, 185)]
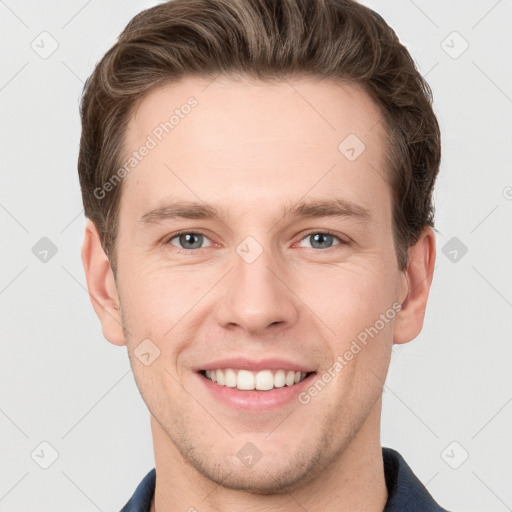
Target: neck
[(354, 481)]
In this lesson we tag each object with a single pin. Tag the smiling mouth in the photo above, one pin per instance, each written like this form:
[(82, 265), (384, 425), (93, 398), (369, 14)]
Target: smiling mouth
[(263, 380)]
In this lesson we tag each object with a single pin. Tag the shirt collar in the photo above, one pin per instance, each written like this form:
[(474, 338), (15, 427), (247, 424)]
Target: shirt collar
[(405, 491)]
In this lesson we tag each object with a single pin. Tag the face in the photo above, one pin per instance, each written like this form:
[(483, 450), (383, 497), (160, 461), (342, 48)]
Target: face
[(254, 248)]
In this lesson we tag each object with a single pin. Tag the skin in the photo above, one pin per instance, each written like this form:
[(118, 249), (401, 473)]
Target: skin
[(251, 148)]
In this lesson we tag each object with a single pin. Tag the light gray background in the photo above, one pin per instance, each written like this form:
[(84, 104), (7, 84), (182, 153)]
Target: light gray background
[(449, 392)]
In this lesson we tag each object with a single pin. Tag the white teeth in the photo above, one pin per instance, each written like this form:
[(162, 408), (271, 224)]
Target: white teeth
[(279, 379), (244, 380), (290, 378), (263, 380), (230, 378)]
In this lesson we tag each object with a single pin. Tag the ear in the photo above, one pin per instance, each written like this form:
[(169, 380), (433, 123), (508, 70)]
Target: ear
[(102, 286), (415, 286)]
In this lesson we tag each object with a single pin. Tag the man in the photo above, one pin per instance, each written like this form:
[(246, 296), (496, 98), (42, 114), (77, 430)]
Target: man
[(257, 177)]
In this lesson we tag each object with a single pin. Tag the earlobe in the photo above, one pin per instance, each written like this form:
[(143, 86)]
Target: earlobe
[(101, 285), (416, 281)]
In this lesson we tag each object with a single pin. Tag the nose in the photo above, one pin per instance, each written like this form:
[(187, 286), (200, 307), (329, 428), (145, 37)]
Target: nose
[(258, 296)]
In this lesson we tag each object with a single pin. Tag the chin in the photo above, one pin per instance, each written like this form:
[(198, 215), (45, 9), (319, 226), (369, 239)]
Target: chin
[(279, 473)]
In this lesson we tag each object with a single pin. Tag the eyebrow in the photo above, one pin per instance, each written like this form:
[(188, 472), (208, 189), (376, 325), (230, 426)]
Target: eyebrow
[(301, 210)]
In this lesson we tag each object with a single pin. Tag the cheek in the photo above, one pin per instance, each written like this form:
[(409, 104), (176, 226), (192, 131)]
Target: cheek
[(351, 298), (155, 297), (163, 305)]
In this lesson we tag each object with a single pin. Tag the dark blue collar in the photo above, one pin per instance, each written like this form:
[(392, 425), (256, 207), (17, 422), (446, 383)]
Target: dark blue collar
[(405, 491)]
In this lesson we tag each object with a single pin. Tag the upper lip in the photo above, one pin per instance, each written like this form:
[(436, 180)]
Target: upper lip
[(244, 363)]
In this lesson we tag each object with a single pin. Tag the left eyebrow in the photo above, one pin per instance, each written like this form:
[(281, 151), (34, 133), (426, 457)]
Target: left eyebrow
[(327, 208)]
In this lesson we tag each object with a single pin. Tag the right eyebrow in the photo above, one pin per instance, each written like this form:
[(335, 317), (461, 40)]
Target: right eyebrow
[(182, 210)]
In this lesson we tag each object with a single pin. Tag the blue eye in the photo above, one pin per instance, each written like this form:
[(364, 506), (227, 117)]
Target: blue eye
[(321, 239), (188, 240)]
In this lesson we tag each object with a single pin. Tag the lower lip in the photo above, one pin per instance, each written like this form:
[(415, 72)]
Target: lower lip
[(255, 400)]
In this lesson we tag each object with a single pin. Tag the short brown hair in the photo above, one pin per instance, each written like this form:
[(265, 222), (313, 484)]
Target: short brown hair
[(263, 39)]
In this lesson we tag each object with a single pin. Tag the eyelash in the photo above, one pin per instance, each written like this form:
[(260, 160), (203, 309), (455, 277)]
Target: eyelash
[(313, 232)]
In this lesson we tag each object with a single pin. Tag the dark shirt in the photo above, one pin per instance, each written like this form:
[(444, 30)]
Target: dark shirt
[(405, 492)]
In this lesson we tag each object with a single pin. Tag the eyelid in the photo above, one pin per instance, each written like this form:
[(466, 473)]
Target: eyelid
[(302, 236)]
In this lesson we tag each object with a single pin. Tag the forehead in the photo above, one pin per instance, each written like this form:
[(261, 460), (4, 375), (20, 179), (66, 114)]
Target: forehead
[(256, 144)]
